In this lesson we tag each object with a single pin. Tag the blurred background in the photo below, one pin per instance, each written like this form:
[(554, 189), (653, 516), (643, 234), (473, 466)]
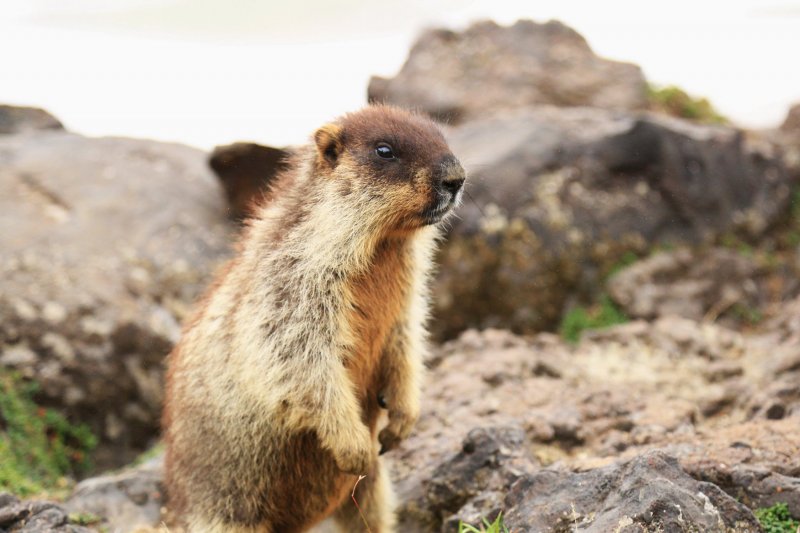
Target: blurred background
[(205, 72)]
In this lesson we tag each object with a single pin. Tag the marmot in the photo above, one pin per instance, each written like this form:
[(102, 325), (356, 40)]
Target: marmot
[(275, 389)]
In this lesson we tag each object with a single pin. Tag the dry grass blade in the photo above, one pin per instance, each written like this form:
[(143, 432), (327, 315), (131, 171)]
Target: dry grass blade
[(360, 512)]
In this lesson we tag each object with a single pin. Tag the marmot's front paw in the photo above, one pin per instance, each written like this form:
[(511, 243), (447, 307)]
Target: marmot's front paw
[(357, 455), (401, 422)]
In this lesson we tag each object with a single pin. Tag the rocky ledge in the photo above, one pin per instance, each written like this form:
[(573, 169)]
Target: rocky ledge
[(34, 516), (671, 425)]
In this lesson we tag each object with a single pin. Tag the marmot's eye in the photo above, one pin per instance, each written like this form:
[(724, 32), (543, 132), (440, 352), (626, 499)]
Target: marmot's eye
[(384, 151)]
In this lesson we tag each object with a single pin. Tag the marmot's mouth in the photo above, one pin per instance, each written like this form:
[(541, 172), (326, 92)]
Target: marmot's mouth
[(437, 211)]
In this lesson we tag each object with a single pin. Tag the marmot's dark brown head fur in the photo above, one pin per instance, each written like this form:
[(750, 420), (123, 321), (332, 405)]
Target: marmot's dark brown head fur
[(396, 160)]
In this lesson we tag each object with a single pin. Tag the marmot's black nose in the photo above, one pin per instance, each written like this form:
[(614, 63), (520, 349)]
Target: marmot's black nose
[(452, 175), (452, 185)]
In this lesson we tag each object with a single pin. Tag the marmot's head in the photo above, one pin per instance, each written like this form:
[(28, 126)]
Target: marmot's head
[(396, 164)]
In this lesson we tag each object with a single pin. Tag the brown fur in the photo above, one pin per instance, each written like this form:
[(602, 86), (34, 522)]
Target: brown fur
[(272, 406)]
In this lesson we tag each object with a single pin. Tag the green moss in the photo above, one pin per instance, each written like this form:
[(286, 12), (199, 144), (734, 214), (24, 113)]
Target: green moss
[(146, 455), (84, 519), (776, 519), (734, 242), (793, 238), (627, 259), (39, 448), (675, 101), (749, 315), (788, 232), (795, 205), (601, 315), (495, 527), (793, 235)]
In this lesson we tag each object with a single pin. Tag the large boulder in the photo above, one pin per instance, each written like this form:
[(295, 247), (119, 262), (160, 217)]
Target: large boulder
[(458, 76), (556, 196), (105, 243)]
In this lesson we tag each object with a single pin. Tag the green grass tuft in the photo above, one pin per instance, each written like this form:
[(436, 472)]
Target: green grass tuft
[(39, 448), (84, 519), (789, 233), (675, 101), (776, 519), (625, 260), (749, 315), (602, 315), (156, 450), (495, 527)]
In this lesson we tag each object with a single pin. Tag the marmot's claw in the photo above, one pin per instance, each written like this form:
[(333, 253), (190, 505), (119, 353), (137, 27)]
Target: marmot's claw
[(388, 439)]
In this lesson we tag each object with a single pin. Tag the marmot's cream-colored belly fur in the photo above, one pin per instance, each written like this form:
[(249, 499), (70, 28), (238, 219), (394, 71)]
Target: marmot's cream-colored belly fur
[(275, 390)]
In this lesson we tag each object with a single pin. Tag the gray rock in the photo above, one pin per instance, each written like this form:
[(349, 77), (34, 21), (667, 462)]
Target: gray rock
[(556, 196), (778, 396), (18, 357), (15, 119), (689, 284), (459, 76), (492, 474), (34, 516), (753, 486), (127, 500), (648, 493), (490, 460), (106, 242)]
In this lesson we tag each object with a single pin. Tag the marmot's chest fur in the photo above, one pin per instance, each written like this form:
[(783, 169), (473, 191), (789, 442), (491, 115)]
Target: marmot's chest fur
[(379, 297)]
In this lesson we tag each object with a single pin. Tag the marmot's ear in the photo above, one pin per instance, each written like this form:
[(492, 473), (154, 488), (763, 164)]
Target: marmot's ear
[(329, 143)]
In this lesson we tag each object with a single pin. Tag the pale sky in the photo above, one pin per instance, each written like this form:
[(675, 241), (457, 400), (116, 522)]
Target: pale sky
[(209, 72)]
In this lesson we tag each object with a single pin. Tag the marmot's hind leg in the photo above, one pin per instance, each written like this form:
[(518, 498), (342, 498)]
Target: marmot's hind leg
[(376, 500)]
